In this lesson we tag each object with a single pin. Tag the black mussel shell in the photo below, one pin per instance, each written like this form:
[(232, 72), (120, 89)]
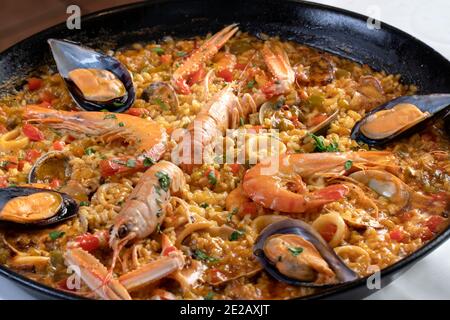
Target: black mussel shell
[(70, 55), (66, 210), (293, 226), (435, 104)]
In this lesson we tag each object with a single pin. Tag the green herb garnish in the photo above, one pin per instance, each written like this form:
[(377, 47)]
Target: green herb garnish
[(201, 255), (320, 144), (121, 124), (236, 235), (204, 205), (4, 163), (348, 164), (110, 116), (56, 234), (148, 162), (295, 251), (161, 104), (131, 163), (89, 151), (181, 54), (158, 50), (212, 177), (241, 121), (164, 180), (251, 84), (84, 204), (209, 296), (231, 214)]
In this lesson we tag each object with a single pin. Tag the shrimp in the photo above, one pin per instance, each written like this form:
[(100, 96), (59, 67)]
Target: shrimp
[(142, 213), (222, 112), (285, 189), (146, 136), (200, 56)]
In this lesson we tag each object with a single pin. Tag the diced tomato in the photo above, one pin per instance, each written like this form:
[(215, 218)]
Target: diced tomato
[(58, 145), (88, 242), (47, 96), (70, 138), (63, 285), (12, 164), (21, 164), (55, 183), (3, 129), (426, 234), (239, 66), (33, 133), (196, 77), (166, 252), (317, 119), (328, 232), (166, 58), (406, 216), (333, 192), (138, 112), (34, 84), (45, 104), (397, 235), (3, 182), (250, 208), (257, 129), (235, 168), (117, 166), (434, 223), (226, 75), (32, 155)]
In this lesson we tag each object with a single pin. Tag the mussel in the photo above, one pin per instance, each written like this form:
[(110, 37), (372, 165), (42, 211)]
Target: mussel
[(291, 251), (398, 117), (95, 81), (34, 206)]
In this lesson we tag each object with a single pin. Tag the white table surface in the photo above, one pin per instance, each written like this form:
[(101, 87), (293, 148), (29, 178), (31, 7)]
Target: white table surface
[(430, 22)]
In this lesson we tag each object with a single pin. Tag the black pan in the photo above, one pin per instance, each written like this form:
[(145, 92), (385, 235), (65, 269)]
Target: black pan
[(334, 30)]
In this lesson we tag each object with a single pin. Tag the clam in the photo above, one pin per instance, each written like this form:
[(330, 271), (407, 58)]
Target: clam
[(95, 81), (33, 206), (323, 126), (292, 251), (161, 94), (398, 117), (52, 165)]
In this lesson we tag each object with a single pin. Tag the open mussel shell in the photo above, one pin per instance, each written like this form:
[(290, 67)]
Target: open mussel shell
[(28, 206), (69, 56), (304, 230), (52, 165), (432, 105)]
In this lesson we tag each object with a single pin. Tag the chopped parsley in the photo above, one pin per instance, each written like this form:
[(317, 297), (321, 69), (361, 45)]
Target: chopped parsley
[(251, 84), (241, 121), (236, 235), (201, 255), (131, 163), (164, 180), (89, 151), (320, 144), (84, 204), (231, 214), (148, 162), (181, 54), (212, 177), (209, 296), (110, 116), (204, 205), (348, 164), (4, 163), (295, 251), (121, 124), (56, 234), (158, 228), (158, 50), (161, 104)]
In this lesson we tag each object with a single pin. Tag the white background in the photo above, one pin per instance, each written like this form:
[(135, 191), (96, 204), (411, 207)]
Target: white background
[(430, 22)]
